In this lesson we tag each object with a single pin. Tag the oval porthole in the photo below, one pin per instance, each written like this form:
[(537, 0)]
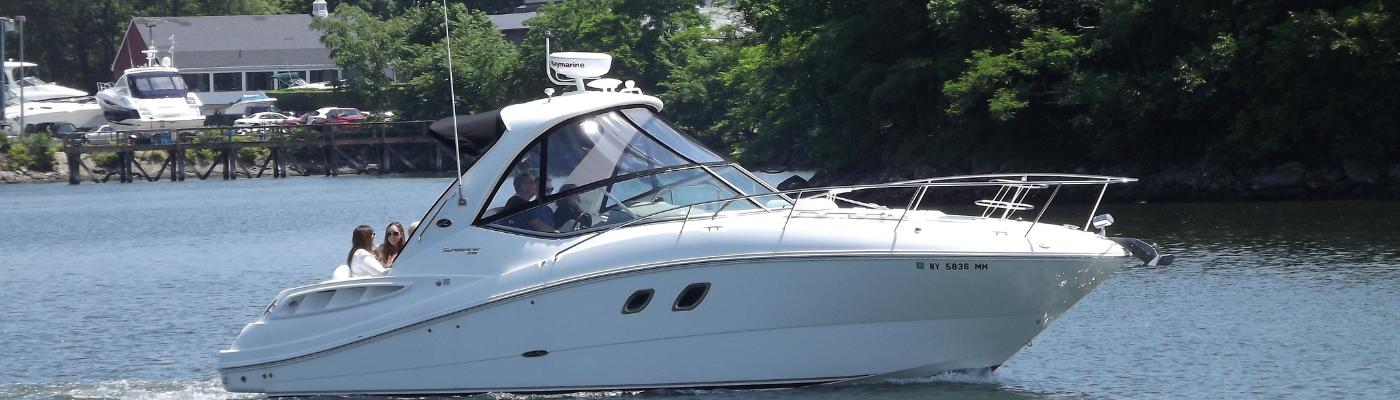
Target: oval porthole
[(637, 301), (691, 297)]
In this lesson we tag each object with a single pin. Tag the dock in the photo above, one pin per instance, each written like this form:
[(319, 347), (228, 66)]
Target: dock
[(384, 147)]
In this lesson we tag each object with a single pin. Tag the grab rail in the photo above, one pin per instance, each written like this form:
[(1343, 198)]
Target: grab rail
[(1006, 196)]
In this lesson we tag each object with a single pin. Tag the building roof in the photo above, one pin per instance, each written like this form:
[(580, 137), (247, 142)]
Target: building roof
[(215, 43), (509, 22)]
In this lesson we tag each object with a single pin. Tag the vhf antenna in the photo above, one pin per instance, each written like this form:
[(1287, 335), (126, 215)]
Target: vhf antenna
[(452, 89)]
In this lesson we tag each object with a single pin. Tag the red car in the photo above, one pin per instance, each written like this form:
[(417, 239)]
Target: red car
[(329, 115)]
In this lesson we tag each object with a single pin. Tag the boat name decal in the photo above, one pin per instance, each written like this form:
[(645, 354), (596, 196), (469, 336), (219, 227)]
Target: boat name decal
[(469, 250), (557, 64), (952, 266)]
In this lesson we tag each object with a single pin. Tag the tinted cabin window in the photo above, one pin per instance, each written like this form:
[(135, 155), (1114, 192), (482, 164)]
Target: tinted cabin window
[(157, 85)]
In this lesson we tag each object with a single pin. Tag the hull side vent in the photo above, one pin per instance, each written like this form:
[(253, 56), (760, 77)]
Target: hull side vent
[(691, 297), (638, 301)]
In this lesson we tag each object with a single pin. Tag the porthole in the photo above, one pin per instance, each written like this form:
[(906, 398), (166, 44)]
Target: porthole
[(691, 297), (637, 301)]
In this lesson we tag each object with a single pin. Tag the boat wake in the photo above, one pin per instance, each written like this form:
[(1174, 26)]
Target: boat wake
[(572, 395), (125, 389), (977, 377)]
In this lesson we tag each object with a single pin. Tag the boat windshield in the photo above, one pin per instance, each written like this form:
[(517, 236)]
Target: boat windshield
[(612, 167), (31, 81), (157, 85)]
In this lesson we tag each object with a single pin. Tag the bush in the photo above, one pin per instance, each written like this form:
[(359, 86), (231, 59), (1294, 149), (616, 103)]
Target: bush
[(35, 152), (155, 156), (205, 136), (250, 155), (106, 159)]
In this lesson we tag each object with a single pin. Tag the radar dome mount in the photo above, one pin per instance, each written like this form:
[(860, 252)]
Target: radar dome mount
[(578, 66)]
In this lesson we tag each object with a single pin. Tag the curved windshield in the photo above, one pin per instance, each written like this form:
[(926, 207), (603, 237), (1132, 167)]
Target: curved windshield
[(612, 167), (629, 199), (157, 85), (31, 81)]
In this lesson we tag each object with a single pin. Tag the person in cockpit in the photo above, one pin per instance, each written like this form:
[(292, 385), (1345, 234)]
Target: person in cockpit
[(536, 219)]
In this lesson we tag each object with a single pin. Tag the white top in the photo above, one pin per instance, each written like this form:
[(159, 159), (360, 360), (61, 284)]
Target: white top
[(363, 263)]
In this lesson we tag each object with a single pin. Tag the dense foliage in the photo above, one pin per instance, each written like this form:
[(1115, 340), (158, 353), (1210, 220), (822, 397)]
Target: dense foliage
[(882, 85)]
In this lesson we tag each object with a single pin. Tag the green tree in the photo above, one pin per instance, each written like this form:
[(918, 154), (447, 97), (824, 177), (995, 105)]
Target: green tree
[(361, 42), (482, 64)]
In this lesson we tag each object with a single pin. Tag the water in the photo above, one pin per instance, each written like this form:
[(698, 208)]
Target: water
[(128, 291)]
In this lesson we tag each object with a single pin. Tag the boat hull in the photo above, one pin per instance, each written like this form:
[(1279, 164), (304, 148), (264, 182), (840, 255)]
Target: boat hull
[(769, 321)]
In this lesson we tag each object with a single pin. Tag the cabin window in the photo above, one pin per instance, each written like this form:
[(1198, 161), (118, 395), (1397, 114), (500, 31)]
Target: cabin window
[(157, 85), (228, 82), (509, 198), (261, 80), (601, 147), (197, 82), (622, 201), (324, 75)]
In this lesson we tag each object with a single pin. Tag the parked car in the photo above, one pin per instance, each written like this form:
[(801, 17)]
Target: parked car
[(263, 119), (329, 115), (59, 130), (108, 133)]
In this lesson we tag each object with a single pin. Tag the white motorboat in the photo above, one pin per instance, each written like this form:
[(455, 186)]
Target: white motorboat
[(592, 246), (33, 87), (251, 104), (151, 97), (82, 112)]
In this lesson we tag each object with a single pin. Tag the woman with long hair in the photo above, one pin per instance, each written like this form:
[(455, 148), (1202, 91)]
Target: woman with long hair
[(394, 240), (360, 259)]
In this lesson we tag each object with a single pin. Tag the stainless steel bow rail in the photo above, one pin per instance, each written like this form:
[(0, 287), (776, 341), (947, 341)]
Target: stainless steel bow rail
[(1011, 196)]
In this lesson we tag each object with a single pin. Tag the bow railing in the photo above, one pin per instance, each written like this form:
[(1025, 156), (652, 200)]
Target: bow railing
[(1013, 191)]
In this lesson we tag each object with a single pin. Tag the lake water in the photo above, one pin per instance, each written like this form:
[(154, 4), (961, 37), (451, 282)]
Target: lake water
[(127, 291)]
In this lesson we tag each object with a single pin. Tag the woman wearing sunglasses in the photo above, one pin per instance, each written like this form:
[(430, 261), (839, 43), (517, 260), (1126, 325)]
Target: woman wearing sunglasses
[(394, 240)]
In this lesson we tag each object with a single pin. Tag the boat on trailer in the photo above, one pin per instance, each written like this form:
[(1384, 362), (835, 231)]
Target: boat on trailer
[(591, 245)]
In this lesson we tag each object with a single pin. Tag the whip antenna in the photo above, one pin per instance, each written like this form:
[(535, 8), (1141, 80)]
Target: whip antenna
[(452, 89)]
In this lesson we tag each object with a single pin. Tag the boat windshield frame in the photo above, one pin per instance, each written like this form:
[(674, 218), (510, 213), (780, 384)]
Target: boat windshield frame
[(179, 89), (753, 202), (490, 212)]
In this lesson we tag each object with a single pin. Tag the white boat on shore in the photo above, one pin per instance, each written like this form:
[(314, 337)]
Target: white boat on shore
[(32, 88), (153, 96), (593, 246), (82, 112)]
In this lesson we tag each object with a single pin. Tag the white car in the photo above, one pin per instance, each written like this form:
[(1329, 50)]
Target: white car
[(263, 119), (108, 133)]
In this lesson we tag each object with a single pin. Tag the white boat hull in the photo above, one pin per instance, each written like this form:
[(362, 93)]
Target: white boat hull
[(774, 321), (80, 114)]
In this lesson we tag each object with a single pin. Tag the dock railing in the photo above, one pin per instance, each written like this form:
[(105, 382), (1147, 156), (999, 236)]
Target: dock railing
[(225, 141)]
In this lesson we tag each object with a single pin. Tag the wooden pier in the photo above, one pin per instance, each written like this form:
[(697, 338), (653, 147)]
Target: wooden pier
[(388, 146)]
